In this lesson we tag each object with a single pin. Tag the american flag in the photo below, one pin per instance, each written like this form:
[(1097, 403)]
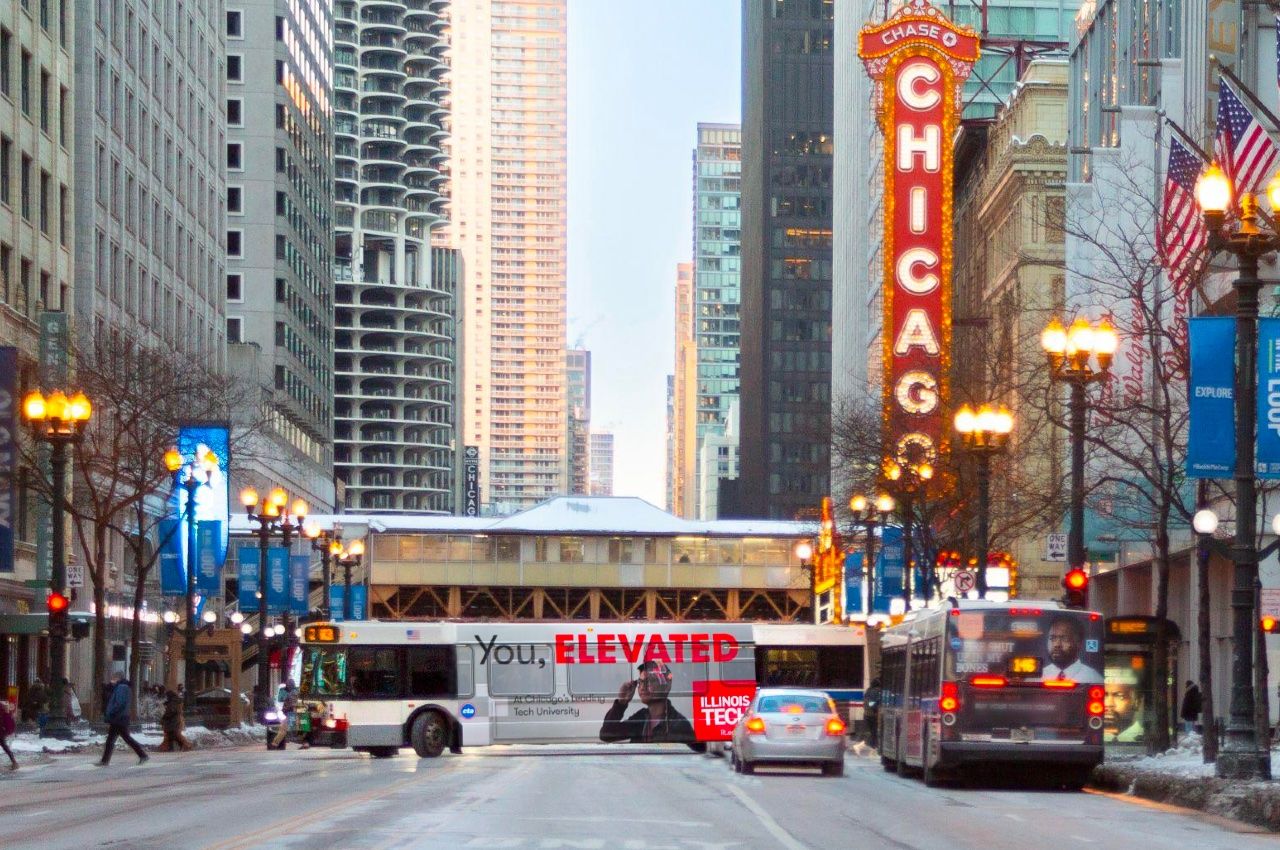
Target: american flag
[(1182, 237), (412, 634), (1244, 150)]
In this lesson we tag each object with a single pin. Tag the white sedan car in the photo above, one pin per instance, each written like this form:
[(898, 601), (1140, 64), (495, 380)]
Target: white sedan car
[(790, 726)]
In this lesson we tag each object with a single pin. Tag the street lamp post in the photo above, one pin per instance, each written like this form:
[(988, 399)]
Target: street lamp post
[(271, 515), (348, 558), (1243, 756), (984, 432), (870, 516), (193, 473), (58, 421), (909, 478), (328, 542), (804, 551), (1072, 353)]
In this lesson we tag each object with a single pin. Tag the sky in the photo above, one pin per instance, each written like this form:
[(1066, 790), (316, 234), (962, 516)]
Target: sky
[(641, 77)]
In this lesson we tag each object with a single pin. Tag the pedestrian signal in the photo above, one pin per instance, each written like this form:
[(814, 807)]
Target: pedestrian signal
[(1076, 584), (1270, 625)]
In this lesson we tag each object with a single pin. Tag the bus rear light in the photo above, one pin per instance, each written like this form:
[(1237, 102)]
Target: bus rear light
[(950, 699), (1095, 722), (835, 726), (755, 726), (988, 681), (337, 724), (1062, 684), (948, 719), (1096, 705)]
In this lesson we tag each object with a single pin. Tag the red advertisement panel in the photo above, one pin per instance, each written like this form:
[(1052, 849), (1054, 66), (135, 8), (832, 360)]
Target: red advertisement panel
[(718, 706)]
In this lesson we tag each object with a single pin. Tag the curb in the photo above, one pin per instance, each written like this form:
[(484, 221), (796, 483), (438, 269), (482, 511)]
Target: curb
[(1256, 803)]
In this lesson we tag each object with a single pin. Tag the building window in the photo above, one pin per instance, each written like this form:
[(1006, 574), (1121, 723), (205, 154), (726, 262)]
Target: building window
[(235, 199), (235, 287), (45, 80), (24, 80), (64, 215), (235, 329), (235, 154), (6, 163), (235, 69), (25, 177), (45, 185), (234, 241), (235, 23), (234, 114), (6, 61)]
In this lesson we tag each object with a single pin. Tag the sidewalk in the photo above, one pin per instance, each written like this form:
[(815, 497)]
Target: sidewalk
[(30, 747), (1181, 778)]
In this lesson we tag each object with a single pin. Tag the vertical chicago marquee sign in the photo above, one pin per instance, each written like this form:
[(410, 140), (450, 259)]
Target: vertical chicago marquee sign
[(918, 61)]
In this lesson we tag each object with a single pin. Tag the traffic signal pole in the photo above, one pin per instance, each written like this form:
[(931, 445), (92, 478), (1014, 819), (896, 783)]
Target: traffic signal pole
[(57, 727)]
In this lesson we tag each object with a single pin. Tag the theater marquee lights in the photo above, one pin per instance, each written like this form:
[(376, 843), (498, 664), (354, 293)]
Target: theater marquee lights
[(918, 61)]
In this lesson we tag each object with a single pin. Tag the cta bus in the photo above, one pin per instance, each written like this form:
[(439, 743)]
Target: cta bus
[(378, 686), (976, 683)]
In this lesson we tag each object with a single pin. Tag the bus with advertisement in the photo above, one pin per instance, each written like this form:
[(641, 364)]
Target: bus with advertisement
[(378, 686), (978, 683)]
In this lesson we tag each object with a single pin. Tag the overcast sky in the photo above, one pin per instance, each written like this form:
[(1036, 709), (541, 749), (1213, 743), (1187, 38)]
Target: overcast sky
[(641, 77)]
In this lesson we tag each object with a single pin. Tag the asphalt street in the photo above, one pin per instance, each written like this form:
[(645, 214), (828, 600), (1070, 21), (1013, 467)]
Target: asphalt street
[(556, 798)]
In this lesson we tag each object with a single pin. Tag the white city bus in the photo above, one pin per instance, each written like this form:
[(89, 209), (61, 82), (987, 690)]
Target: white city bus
[(377, 686)]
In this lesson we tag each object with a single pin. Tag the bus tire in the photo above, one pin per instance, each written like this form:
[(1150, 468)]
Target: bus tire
[(889, 765), (429, 734), (384, 752)]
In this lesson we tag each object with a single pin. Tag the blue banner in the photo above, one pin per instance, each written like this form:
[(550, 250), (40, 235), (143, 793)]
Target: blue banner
[(248, 580), (853, 603), (1266, 462), (1211, 441), (212, 497), (208, 572), (173, 577), (299, 584), (277, 580), (8, 454), (359, 602), (887, 582)]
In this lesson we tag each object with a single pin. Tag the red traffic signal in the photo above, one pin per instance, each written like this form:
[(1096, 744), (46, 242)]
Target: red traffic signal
[(57, 603), (1076, 584), (1269, 624)]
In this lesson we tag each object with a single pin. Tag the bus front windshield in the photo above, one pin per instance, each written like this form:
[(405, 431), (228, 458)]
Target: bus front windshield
[(324, 672)]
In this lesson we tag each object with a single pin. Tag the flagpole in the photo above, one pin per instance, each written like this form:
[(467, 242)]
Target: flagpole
[(1247, 92), (1190, 142)]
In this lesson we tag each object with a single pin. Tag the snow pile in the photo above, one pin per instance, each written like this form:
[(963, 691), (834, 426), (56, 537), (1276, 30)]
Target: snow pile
[(150, 736)]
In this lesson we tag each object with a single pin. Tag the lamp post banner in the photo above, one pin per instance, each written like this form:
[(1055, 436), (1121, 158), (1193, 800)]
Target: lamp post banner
[(359, 602), (208, 567), (918, 62), (173, 575), (299, 584), (277, 580), (247, 580), (853, 600), (8, 453), (1211, 438), (212, 497), (1266, 461), (887, 582)]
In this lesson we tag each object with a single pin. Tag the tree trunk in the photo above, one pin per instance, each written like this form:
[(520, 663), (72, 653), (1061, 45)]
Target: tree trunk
[(1261, 699), (1158, 741), (101, 577), (135, 626)]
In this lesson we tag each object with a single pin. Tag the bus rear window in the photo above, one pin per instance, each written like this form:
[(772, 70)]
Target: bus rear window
[(1051, 644), (809, 667), (324, 672)]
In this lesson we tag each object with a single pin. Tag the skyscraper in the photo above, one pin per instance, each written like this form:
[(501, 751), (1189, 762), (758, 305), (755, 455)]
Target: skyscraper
[(682, 419), (279, 285), (394, 328), (717, 242), (601, 463), (578, 371), (509, 217), (787, 143)]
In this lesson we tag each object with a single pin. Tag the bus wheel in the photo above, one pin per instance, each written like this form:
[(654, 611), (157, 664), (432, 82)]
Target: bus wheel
[(430, 735), (383, 752), (889, 765)]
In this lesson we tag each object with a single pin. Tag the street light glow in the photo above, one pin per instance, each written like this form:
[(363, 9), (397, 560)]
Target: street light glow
[(1206, 521), (248, 497), (237, 618), (804, 550), (210, 617), (884, 503), (1213, 190)]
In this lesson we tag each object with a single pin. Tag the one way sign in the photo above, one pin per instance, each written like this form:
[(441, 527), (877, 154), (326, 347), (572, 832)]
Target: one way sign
[(1056, 548)]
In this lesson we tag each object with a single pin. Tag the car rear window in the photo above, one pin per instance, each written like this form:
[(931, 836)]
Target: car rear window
[(793, 705)]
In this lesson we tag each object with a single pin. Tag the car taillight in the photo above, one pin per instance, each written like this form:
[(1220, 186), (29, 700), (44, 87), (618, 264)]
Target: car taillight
[(1064, 684), (950, 700), (755, 726), (988, 681), (337, 724), (1096, 705), (835, 726)]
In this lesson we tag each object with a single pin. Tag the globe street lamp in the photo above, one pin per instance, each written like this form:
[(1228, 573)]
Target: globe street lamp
[(58, 421), (983, 433), (348, 558), (273, 516), (1243, 756), (1078, 356), (328, 542), (192, 472), (871, 516), (908, 478)]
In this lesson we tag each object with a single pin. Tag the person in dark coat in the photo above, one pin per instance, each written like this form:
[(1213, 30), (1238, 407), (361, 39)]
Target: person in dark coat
[(117, 715), (8, 724), (171, 724), (871, 712), (36, 705), (658, 722), (1190, 712)]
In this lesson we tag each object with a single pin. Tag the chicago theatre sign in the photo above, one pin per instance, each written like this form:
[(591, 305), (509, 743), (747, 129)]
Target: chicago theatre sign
[(918, 61)]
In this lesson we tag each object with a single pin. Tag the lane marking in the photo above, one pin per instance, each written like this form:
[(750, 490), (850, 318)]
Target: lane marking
[(766, 820), (692, 824)]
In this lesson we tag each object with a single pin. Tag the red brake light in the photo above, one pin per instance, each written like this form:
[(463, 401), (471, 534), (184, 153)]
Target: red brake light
[(755, 726), (1096, 706), (988, 681), (835, 726), (950, 699), (1065, 684)]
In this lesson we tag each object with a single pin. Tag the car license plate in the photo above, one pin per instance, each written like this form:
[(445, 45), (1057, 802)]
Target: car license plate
[(796, 729), (1022, 735)]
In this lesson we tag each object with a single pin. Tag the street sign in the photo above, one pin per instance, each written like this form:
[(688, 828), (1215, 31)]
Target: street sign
[(75, 575), (1056, 548), (964, 581), (1270, 603)]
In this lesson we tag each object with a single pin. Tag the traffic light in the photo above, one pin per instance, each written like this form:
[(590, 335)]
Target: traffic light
[(1076, 584), (1270, 624), (58, 606)]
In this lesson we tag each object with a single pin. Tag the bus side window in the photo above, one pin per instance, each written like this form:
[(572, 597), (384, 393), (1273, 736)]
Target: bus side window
[(374, 671), (466, 671), (432, 671), (529, 673)]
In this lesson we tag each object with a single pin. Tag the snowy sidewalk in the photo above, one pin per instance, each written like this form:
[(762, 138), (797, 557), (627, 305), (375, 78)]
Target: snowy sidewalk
[(1181, 778), (85, 738)]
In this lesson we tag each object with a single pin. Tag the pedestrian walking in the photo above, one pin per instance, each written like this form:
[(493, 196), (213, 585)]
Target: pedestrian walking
[(171, 723), (1190, 713), (8, 724), (37, 704), (288, 704), (871, 712), (117, 716)]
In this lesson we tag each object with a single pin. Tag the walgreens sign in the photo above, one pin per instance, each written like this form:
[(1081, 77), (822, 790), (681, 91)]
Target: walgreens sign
[(918, 61)]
